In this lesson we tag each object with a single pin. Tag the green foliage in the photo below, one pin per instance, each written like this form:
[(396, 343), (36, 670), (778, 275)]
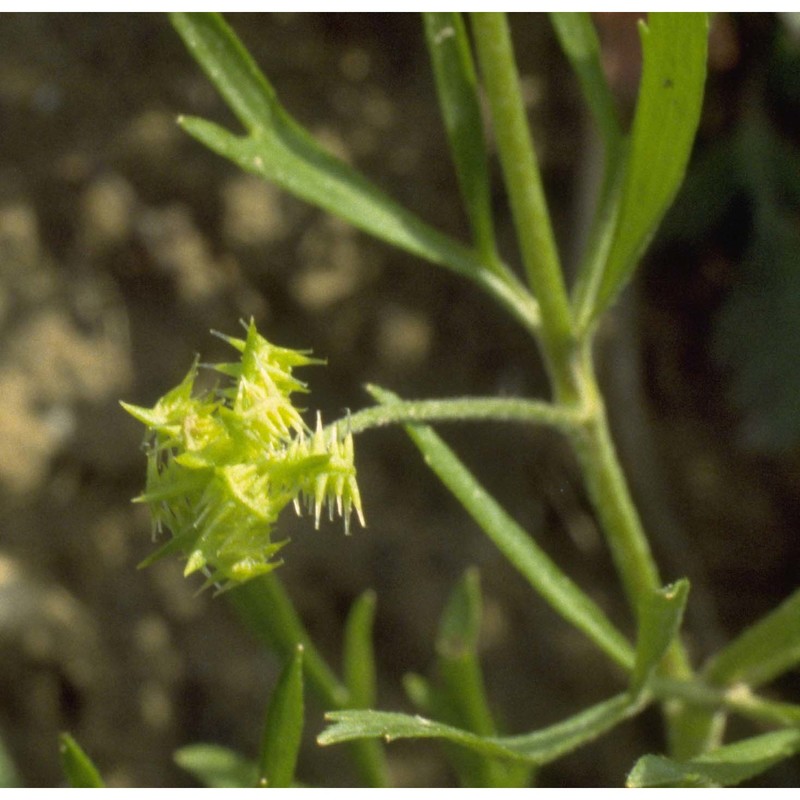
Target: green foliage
[(457, 85), (533, 563), (458, 695), (744, 191), (221, 768), (725, 766), (78, 768), (283, 729), (661, 614), (764, 651), (664, 126), (580, 44), (223, 464), (217, 767), (359, 657), (279, 149), (536, 748)]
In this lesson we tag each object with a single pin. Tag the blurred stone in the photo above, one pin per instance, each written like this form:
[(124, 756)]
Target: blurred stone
[(252, 214), (107, 208)]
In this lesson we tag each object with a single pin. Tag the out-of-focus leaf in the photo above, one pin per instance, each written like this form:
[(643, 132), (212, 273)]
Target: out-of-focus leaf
[(725, 766), (460, 624), (580, 44), (9, 779), (457, 86), (764, 651), (217, 767), (361, 681), (419, 691), (359, 656), (459, 697), (757, 335), (78, 768), (283, 729)]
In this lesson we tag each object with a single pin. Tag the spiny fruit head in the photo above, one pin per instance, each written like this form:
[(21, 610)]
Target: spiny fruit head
[(223, 464)]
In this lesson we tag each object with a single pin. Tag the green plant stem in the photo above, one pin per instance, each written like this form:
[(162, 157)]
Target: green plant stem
[(266, 607), (526, 194), (533, 412), (614, 506), (690, 730)]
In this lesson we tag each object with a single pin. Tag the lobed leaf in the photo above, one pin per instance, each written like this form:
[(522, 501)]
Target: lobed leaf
[(280, 150), (725, 766), (539, 747)]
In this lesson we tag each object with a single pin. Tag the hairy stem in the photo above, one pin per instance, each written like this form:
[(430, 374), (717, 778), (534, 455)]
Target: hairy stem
[(526, 194), (532, 412)]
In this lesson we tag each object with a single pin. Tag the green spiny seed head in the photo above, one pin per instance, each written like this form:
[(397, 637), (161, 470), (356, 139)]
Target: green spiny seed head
[(221, 466)]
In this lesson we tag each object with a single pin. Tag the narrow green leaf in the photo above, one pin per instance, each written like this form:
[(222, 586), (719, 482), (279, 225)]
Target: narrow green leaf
[(460, 697), (280, 150), (578, 39), (229, 66), (460, 625), (660, 619), (217, 767), (361, 681), (266, 607), (457, 87), (283, 729), (534, 564), (359, 656), (667, 115), (539, 747), (725, 766), (764, 651), (288, 156), (580, 44), (78, 768)]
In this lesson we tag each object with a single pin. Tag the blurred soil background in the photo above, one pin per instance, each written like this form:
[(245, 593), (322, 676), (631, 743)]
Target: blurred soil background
[(122, 242)]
